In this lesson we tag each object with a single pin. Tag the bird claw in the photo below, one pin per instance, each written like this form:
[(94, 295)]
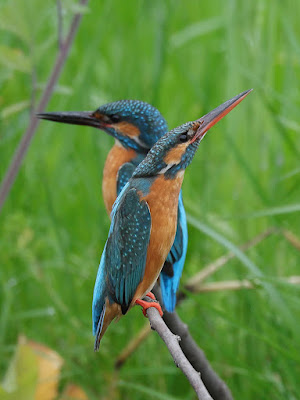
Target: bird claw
[(146, 304), (151, 295)]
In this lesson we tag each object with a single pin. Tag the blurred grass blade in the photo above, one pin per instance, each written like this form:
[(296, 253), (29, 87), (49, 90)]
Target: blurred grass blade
[(194, 31), (153, 394), (14, 59), (14, 109), (290, 174), (254, 269), (250, 174), (289, 124), (291, 208), (275, 297), (13, 21)]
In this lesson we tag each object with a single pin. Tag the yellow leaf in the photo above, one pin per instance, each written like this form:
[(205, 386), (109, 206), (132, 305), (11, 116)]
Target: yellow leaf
[(33, 373), (73, 392), (49, 365), (22, 375)]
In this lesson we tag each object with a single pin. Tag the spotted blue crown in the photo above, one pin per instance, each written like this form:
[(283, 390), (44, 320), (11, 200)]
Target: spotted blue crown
[(147, 118)]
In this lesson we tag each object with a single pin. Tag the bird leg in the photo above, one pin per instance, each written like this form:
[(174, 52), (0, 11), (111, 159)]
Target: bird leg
[(146, 304)]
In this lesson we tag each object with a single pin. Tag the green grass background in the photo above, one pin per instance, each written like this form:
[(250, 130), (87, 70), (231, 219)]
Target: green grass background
[(185, 58)]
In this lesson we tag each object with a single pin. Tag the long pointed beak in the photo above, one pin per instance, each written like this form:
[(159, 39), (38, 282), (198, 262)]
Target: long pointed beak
[(75, 118), (217, 114)]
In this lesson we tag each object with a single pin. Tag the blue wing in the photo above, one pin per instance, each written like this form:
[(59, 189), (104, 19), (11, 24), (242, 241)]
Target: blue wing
[(124, 174), (171, 272), (123, 260), (126, 248), (126, 170), (100, 288)]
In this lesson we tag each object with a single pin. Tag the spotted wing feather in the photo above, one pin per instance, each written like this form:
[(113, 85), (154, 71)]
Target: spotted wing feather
[(124, 174), (126, 248)]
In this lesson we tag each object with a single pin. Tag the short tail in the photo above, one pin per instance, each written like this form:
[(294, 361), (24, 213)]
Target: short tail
[(99, 302), (99, 328)]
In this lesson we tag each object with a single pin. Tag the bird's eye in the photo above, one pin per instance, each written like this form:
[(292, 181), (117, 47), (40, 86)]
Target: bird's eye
[(115, 118), (183, 138)]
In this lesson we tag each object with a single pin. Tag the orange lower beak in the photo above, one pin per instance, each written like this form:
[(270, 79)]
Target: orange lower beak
[(217, 114)]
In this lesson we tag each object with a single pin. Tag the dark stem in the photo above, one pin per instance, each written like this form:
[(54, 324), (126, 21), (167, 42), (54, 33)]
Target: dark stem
[(213, 383), (23, 146), (33, 91), (59, 24), (173, 343)]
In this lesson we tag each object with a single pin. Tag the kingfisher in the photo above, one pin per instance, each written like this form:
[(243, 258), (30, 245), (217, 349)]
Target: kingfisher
[(144, 221), (136, 127)]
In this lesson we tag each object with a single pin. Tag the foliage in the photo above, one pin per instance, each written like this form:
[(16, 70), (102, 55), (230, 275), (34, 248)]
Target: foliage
[(185, 58)]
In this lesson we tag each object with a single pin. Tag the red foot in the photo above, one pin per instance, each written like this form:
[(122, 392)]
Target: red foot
[(146, 304), (151, 295)]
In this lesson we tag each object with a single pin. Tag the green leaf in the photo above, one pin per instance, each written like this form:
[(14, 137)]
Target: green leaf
[(14, 59), (21, 378)]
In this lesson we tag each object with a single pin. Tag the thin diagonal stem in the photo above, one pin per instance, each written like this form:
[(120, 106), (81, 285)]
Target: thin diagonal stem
[(23, 146)]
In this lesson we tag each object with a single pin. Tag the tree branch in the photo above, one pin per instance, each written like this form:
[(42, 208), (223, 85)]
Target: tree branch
[(292, 238), (59, 24), (132, 346), (172, 342), (221, 261), (213, 383), (23, 146), (238, 284), (209, 287)]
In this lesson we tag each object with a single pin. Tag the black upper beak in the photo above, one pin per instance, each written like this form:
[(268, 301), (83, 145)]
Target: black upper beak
[(75, 118), (217, 114)]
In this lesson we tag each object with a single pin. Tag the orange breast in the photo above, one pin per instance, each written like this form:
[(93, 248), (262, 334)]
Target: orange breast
[(117, 156), (163, 204)]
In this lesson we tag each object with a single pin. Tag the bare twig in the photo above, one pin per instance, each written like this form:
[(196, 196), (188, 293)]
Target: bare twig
[(132, 346), (208, 287), (23, 146), (292, 238), (239, 285), (293, 280), (221, 261), (33, 91), (172, 343), (192, 282), (59, 24), (213, 383), (225, 285)]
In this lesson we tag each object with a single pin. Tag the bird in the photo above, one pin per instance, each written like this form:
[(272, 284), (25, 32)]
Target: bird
[(136, 127), (143, 222)]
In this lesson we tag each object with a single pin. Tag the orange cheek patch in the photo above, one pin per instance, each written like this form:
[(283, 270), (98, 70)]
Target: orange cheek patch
[(127, 129), (173, 156)]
